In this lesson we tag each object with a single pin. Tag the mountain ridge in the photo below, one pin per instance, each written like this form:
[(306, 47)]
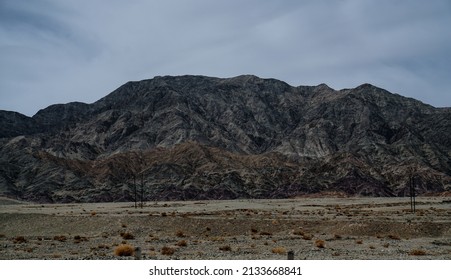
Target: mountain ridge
[(361, 141)]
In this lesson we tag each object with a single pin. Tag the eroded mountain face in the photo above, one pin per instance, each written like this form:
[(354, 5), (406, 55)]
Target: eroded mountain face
[(195, 137)]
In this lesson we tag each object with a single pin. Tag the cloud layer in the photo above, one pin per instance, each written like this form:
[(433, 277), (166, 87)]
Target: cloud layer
[(60, 51)]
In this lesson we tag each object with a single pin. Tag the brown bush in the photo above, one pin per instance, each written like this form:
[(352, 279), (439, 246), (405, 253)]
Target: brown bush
[(180, 233), (394, 237), (127, 235), (225, 248), (417, 252), (307, 236), (279, 250), (182, 243), (19, 239), (124, 250), (168, 251), (320, 243), (78, 238), (60, 238)]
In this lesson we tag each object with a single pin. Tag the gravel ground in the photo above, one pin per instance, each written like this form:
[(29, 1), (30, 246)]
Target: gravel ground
[(313, 228)]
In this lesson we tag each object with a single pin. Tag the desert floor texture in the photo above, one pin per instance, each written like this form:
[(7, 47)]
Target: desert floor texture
[(313, 228)]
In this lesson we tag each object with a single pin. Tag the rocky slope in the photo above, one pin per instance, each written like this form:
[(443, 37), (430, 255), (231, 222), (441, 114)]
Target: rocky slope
[(196, 137)]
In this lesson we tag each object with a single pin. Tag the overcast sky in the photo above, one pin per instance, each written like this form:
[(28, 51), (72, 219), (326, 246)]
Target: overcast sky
[(54, 51)]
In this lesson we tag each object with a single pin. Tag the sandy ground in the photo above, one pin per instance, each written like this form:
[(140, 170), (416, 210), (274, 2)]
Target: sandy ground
[(313, 228)]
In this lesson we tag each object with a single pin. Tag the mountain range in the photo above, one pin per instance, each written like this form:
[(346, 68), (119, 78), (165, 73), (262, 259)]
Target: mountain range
[(197, 137)]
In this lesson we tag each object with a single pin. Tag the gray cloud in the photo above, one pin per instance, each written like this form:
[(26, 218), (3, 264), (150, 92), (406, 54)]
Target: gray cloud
[(61, 51)]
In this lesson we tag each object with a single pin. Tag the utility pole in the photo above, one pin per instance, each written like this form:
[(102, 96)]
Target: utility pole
[(142, 189), (134, 185), (412, 192)]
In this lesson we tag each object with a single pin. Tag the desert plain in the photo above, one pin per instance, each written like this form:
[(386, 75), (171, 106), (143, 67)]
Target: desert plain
[(313, 228)]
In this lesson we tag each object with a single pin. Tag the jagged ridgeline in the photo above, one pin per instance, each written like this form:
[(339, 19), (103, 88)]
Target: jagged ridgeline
[(196, 137)]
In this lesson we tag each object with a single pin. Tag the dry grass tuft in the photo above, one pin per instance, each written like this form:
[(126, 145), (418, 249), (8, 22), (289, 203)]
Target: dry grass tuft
[(182, 243), (124, 250), (394, 237), (279, 250), (417, 252), (307, 236), (320, 243), (225, 248), (60, 238), (127, 235), (78, 239), (168, 251), (19, 240), (337, 236), (217, 238)]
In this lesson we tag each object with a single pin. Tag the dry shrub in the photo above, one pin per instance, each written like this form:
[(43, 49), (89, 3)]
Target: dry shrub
[(182, 243), (337, 236), (78, 238), (359, 241), (93, 213), (180, 233), (394, 237), (60, 238), (279, 250), (320, 243), (217, 238), (163, 214), (225, 248), (19, 239), (307, 236), (417, 252), (124, 250), (127, 235), (168, 251), (103, 246)]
